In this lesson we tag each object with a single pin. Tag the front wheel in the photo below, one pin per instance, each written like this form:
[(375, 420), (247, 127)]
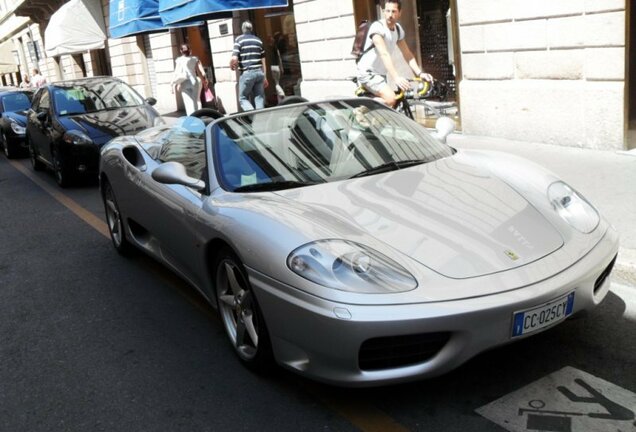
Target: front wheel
[(114, 221), (62, 174), (240, 313), (35, 162), (9, 150)]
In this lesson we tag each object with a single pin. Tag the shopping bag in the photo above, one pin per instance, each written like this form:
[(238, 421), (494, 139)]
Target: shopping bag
[(209, 96)]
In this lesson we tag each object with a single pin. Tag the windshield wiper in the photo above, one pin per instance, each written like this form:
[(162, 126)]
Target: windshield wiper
[(273, 186), (389, 166)]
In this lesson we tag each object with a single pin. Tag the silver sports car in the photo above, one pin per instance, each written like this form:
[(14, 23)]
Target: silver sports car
[(345, 242)]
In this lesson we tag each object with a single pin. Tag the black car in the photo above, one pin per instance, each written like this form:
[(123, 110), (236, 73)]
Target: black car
[(69, 121), (14, 104)]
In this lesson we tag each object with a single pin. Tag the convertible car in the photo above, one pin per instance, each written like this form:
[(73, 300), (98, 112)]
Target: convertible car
[(347, 243)]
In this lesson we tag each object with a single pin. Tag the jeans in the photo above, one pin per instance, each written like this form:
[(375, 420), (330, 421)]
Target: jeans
[(251, 83)]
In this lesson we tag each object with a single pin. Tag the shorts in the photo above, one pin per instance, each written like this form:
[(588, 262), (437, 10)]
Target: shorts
[(372, 82)]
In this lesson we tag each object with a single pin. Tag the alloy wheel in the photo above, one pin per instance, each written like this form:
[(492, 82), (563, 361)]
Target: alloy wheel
[(238, 309), (35, 163), (114, 220), (61, 174)]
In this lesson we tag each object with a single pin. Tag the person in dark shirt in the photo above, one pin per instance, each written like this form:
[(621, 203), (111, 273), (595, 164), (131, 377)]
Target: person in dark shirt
[(249, 56)]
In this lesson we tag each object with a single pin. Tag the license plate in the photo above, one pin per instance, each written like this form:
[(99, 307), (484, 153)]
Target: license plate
[(531, 320)]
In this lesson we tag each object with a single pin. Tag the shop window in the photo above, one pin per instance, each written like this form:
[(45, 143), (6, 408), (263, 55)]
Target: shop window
[(277, 28)]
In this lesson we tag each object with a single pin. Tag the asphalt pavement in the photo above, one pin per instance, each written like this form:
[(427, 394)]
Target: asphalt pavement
[(606, 178)]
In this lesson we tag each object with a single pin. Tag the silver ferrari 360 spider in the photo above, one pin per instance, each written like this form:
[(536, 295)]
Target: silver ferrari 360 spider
[(347, 243)]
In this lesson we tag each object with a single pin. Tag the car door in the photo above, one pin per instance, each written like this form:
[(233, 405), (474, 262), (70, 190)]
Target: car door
[(39, 124), (169, 215)]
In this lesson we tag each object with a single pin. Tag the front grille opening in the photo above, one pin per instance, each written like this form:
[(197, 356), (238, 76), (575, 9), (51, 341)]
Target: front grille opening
[(599, 280), (396, 351)]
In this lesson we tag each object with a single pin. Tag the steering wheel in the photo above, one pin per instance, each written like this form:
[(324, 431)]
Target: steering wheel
[(207, 113)]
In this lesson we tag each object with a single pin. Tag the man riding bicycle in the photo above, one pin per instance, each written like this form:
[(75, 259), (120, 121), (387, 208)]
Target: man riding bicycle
[(375, 64)]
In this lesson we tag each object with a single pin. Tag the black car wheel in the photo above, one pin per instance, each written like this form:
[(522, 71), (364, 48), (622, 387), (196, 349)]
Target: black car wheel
[(35, 162), (240, 314), (8, 151), (114, 221), (62, 174)]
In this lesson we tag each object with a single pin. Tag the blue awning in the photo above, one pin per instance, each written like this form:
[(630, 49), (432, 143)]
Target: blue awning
[(176, 11), (129, 17)]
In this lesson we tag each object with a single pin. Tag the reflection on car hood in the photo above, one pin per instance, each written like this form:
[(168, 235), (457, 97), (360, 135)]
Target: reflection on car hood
[(101, 126), (453, 217)]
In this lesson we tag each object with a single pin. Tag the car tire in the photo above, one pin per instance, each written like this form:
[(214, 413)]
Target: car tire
[(36, 164), (240, 314), (61, 172), (6, 147), (114, 221)]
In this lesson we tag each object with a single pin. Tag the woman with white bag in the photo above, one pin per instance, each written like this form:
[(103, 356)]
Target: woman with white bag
[(187, 79)]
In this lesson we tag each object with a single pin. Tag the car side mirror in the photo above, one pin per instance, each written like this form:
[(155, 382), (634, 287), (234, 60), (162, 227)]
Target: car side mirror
[(41, 115), (151, 101), (175, 173), (444, 126)]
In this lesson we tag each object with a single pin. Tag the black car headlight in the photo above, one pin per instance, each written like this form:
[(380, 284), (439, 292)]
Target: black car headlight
[(77, 137), (16, 127), (348, 266), (573, 208)]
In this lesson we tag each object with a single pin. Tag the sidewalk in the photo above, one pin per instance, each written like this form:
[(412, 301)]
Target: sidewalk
[(606, 178)]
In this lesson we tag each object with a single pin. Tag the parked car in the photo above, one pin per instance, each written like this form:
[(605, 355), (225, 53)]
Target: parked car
[(347, 243), (69, 122), (14, 104)]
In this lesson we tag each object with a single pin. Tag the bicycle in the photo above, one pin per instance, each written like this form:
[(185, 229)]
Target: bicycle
[(419, 94)]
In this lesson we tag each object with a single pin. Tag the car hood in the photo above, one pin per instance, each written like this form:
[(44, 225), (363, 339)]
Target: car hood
[(102, 126), (453, 217), (19, 116)]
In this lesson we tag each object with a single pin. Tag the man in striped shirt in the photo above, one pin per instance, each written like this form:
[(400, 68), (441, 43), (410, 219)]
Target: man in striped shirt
[(249, 56)]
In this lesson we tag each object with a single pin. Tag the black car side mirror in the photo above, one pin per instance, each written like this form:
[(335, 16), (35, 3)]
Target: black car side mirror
[(41, 115), (151, 101)]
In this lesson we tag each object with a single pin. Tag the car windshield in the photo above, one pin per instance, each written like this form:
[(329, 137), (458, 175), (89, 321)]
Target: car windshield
[(18, 101), (301, 145), (90, 96)]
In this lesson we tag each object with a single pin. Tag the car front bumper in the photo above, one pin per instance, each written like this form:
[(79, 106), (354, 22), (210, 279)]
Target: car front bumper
[(321, 339)]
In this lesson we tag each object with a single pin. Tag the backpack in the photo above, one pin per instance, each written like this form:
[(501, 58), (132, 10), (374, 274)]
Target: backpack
[(357, 50)]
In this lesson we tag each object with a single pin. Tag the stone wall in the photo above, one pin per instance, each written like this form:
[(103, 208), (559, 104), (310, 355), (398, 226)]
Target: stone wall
[(325, 35), (545, 71)]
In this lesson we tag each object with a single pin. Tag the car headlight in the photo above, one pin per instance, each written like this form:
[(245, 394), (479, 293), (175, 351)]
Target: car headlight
[(77, 137), (17, 128), (572, 207), (351, 267)]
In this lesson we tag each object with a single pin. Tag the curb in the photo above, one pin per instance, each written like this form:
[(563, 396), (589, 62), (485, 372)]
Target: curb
[(625, 267)]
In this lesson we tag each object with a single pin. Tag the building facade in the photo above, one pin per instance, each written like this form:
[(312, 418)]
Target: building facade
[(555, 72)]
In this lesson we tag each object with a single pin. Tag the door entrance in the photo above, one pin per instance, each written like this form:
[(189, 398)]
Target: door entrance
[(277, 29), (439, 47)]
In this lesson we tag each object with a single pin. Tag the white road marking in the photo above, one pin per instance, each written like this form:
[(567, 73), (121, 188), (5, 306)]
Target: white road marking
[(568, 400)]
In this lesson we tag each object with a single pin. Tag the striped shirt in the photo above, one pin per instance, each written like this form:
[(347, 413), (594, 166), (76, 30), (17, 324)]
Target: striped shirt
[(248, 48)]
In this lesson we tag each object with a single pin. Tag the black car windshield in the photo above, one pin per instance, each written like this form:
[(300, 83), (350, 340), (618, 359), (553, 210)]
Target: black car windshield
[(90, 96), (302, 145), (18, 101)]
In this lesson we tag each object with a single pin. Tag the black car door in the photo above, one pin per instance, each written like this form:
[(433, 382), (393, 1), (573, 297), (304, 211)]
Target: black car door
[(39, 124)]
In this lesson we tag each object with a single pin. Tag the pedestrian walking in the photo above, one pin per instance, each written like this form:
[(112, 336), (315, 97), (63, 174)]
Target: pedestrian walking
[(249, 56), (37, 80), (188, 79)]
